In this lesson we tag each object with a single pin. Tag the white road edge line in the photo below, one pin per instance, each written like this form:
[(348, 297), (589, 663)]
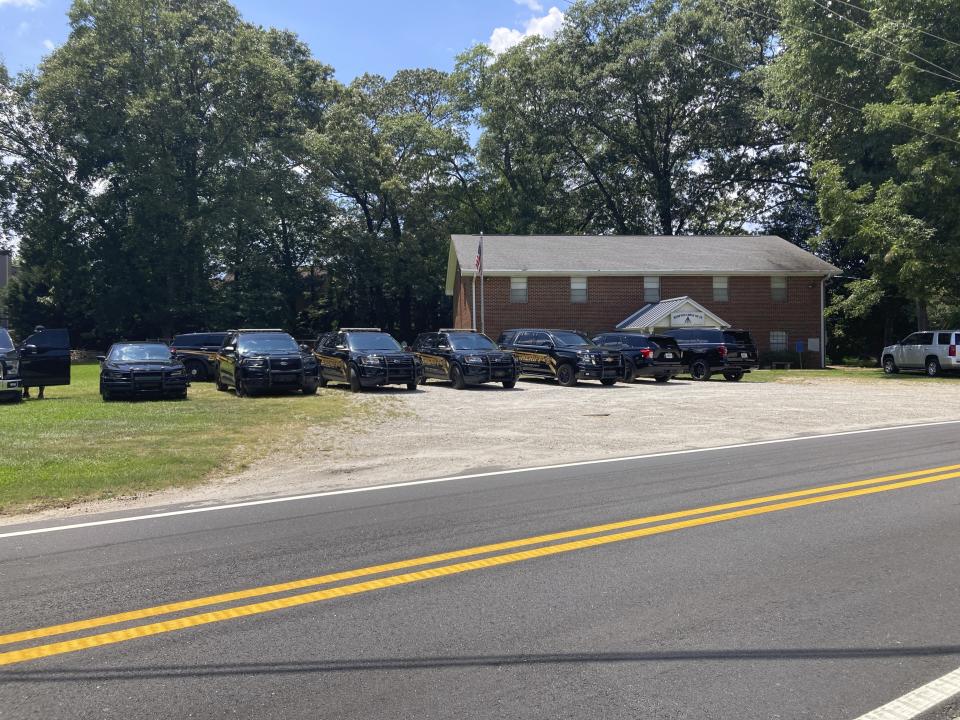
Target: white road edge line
[(916, 702), (431, 481)]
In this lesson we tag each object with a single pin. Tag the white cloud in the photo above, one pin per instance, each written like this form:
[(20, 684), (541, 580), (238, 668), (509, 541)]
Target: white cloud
[(48, 44), (504, 38), (20, 3), (23, 28), (534, 5)]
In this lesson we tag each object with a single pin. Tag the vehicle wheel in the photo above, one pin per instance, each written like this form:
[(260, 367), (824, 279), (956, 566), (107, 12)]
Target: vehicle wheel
[(456, 377), (354, 380), (933, 367), (412, 386), (700, 370), (180, 396), (423, 380), (608, 381), (629, 371), (220, 386), (321, 380), (733, 375), (196, 371), (105, 394), (509, 384), (662, 378), (238, 387), (310, 389), (566, 375), (889, 366)]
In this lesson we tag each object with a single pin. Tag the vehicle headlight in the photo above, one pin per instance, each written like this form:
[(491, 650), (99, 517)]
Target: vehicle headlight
[(372, 360), (114, 374), (3, 370), (474, 360), (13, 367), (255, 363)]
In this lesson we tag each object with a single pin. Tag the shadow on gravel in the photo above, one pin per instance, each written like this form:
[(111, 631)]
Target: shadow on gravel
[(439, 663)]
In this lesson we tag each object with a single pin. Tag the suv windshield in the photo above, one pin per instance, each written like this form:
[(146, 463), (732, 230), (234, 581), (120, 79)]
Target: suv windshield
[(471, 341), (139, 353), (571, 339), (372, 341), (267, 343), (6, 343)]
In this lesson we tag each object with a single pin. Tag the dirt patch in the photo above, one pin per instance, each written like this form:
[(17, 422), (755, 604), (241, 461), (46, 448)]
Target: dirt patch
[(439, 431)]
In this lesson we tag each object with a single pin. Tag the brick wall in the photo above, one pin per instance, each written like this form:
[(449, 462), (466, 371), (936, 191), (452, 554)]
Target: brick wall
[(612, 299)]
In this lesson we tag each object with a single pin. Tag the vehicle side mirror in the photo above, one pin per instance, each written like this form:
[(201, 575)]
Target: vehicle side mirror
[(340, 347), (549, 345), (443, 346), (101, 358), (305, 348), (30, 349), (228, 349), (407, 348)]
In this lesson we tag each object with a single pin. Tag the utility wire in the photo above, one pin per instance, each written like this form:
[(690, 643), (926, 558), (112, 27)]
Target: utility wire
[(898, 22), (843, 42), (888, 42), (817, 95)]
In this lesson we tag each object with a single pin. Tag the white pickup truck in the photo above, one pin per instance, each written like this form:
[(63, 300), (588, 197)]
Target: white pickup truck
[(931, 350)]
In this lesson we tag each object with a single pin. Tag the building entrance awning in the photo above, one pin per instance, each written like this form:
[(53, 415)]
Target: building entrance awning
[(676, 312)]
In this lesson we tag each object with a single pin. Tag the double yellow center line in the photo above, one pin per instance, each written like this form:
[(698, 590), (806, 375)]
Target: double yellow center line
[(484, 556)]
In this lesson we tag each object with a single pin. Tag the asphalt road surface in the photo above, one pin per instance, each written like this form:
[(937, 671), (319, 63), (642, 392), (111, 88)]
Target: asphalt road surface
[(810, 579)]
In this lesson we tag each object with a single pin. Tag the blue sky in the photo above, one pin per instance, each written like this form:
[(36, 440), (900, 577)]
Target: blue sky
[(379, 36)]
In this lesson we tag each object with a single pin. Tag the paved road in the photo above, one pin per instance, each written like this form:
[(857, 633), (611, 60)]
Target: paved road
[(823, 604)]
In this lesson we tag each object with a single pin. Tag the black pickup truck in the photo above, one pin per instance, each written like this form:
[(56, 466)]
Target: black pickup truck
[(43, 359), (565, 355), (710, 350)]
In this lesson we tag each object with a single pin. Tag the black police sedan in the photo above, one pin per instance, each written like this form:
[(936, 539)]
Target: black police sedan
[(656, 356), (565, 355), (268, 360), (136, 369), (366, 357), (465, 357)]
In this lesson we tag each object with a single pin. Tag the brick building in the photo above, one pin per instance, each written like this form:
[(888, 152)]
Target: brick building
[(763, 284)]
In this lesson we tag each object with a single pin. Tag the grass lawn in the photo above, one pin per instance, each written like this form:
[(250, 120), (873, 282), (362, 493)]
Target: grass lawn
[(72, 445), (841, 373)]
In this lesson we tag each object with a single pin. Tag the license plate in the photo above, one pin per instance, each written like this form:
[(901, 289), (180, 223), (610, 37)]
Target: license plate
[(499, 373), (668, 356), (285, 377), (744, 355)]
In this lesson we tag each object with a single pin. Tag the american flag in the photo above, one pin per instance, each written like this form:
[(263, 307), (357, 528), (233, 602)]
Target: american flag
[(479, 262)]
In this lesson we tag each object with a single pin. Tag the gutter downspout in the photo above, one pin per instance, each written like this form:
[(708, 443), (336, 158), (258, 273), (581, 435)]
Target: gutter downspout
[(823, 323)]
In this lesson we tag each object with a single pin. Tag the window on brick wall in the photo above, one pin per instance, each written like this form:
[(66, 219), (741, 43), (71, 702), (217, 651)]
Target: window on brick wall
[(651, 288), (578, 289), (518, 289), (721, 288), (778, 341), (778, 289)]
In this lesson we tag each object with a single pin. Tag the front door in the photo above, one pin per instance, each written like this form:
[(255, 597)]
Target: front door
[(45, 358)]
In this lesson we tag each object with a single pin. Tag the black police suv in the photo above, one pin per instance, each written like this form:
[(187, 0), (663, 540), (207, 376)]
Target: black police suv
[(566, 355), (43, 359), (198, 351), (656, 356), (138, 369), (709, 350), (465, 357), (365, 357), (264, 360)]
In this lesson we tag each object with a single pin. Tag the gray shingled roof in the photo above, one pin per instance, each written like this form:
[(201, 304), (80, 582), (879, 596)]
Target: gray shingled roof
[(636, 255), (651, 314)]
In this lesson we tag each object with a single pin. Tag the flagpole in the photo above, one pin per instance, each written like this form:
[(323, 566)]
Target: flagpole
[(483, 325), (473, 303)]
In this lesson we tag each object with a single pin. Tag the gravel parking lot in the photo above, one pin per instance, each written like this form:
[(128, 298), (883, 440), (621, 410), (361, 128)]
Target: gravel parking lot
[(437, 431)]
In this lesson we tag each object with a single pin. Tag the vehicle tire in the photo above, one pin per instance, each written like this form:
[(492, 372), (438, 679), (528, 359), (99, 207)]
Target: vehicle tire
[(321, 380), (412, 386), (629, 371), (310, 388), (353, 379), (566, 375), (889, 366), (662, 378), (733, 375), (509, 384), (196, 371), (238, 387), (700, 370), (423, 380), (180, 396), (220, 386), (456, 378), (933, 366), (608, 381), (105, 394)]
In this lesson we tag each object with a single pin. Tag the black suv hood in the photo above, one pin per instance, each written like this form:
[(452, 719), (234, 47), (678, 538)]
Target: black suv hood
[(143, 365), (498, 355)]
